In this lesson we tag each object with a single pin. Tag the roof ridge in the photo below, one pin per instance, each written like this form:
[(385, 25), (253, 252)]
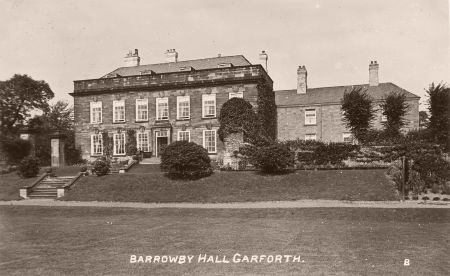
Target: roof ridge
[(349, 85), (185, 61)]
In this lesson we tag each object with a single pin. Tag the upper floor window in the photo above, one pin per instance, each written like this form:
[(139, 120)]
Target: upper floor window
[(119, 111), (310, 137), (141, 109), (184, 135), (119, 143), (383, 118), (162, 108), (235, 95), (208, 105), (310, 117), (143, 141), (96, 112), (183, 107), (96, 144), (209, 141)]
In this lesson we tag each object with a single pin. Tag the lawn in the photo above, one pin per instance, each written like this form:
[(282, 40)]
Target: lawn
[(236, 187), (339, 241), (11, 183)]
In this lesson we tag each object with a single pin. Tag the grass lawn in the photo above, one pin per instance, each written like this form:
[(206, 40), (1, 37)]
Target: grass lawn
[(340, 241), (236, 187), (11, 183)]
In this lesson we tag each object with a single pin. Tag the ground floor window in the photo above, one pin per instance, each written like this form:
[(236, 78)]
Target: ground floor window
[(96, 144), (184, 136), (143, 141), (209, 141), (347, 137), (119, 144), (310, 137)]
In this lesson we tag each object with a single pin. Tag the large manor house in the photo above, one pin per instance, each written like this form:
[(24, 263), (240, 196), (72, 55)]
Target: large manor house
[(181, 100)]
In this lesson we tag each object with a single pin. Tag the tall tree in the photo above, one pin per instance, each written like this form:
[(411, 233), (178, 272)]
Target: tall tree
[(358, 112), (18, 96), (423, 119), (439, 107), (394, 107)]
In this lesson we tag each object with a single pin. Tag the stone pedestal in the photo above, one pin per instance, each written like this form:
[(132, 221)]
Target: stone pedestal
[(232, 143), (57, 153)]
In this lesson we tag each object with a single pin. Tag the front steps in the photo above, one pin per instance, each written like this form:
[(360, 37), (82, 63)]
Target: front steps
[(47, 188), (151, 161)]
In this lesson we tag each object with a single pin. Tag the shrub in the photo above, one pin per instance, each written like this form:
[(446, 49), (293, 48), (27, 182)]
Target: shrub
[(274, 158), (394, 107), (433, 169), (439, 107), (100, 167), (185, 160), (333, 153), (16, 150), (29, 167), (83, 169)]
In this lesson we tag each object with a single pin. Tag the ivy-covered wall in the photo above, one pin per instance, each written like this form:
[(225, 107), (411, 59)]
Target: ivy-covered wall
[(267, 109)]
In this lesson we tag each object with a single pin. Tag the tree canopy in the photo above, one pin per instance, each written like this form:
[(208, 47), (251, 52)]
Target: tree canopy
[(19, 95), (358, 112), (439, 107), (394, 107)]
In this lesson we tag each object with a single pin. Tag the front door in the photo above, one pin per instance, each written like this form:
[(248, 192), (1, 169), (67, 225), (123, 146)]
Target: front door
[(161, 143)]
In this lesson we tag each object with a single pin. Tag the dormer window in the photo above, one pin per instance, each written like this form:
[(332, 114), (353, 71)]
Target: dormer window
[(186, 69), (147, 72), (224, 65)]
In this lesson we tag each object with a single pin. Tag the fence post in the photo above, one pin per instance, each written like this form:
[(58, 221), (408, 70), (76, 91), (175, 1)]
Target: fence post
[(404, 178)]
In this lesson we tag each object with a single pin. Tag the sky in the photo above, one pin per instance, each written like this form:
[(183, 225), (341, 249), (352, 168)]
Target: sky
[(62, 41)]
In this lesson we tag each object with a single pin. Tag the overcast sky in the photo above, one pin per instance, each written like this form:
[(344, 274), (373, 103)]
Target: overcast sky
[(61, 41)]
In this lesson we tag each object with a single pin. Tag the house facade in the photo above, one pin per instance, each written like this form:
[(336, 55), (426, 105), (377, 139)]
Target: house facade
[(172, 101), (315, 113)]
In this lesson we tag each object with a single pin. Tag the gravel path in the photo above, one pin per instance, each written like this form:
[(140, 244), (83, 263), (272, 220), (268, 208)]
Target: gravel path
[(235, 205)]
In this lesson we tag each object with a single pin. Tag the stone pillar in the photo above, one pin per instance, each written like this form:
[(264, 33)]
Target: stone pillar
[(57, 149), (232, 143)]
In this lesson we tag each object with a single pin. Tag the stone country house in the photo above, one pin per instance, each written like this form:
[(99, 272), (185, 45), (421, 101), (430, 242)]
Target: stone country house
[(181, 100)]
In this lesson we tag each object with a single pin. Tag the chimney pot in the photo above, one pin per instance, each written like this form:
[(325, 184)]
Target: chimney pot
[(302, 79), (373, 73), (171, 55), (132, 59)]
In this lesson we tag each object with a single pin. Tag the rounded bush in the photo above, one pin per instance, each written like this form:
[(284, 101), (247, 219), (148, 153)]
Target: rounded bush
[(274, 158), (83, 169), (29, 167), (185, 160), (100, 167)]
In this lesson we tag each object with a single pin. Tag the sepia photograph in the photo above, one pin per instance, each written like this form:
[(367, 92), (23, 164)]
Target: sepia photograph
[(252, 137)]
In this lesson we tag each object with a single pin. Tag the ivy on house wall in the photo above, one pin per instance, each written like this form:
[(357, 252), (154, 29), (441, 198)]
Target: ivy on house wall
[(237, 116), (267, 110), (131, 144)]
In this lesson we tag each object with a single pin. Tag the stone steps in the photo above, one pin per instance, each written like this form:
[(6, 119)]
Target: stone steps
[(47, 188)]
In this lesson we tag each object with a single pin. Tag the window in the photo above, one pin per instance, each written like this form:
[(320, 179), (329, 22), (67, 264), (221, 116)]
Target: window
[(184, 136), (119, 144), (235, 95), (183, 107), (96, 144), (310, 136), (96, 112), (141, 109), (143, 141), (209, 141), (383, 118), (162, 108), (119, 111), (347, 137), (209, 105), (310, 117)]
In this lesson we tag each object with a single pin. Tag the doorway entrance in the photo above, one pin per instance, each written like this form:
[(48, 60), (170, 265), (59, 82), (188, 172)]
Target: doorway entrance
[(161, 141)]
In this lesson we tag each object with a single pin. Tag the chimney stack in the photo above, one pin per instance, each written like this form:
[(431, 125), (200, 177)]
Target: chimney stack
[(264, 57), (171, 55), (373, 73), (132, 59), (302, 78)]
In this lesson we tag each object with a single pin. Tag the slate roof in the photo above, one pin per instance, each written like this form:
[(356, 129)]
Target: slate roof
[(334, 94), (197, 64)]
